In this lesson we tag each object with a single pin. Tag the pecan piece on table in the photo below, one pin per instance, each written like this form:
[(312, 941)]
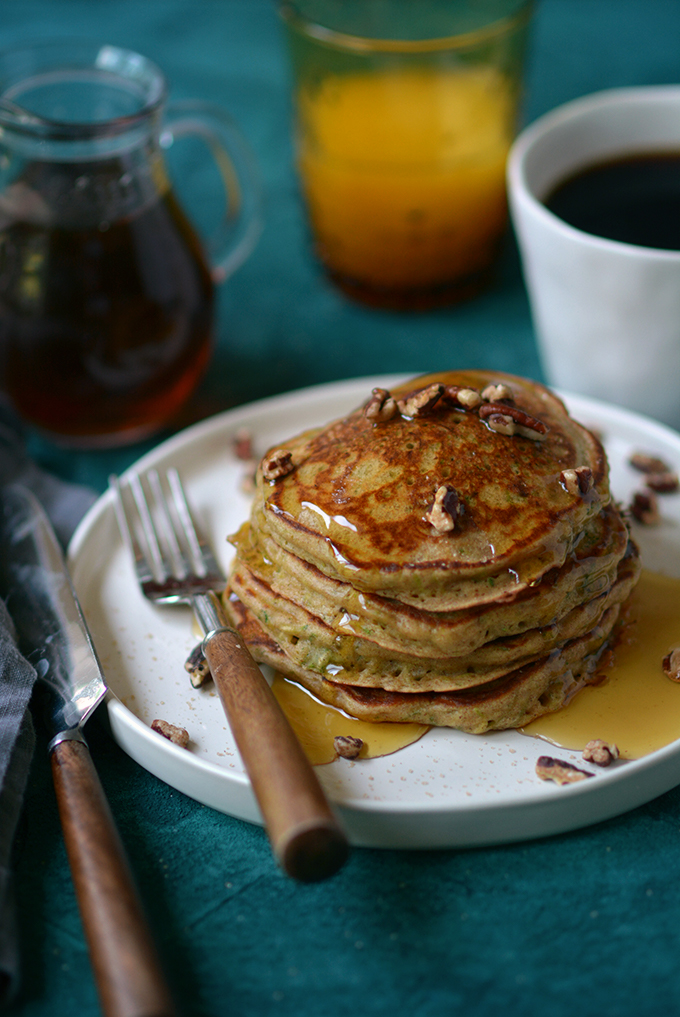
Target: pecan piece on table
[(278, 463), (176, 735), (381, 406), (548, 768), (421, 402), (600, 752)]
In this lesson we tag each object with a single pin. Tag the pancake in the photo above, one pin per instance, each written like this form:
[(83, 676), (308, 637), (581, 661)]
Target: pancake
[(512, 701), (350, 660), (518, 521), (448, 553), (398, 627)]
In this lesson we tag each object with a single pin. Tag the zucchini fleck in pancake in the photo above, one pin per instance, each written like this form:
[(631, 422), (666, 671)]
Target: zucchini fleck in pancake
[(448, 550)]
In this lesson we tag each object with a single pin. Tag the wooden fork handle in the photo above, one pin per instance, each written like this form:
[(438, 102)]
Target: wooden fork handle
[(126, 970), (306, 838)]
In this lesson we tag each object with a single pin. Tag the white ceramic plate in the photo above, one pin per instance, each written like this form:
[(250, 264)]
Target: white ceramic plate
[(448, 789)]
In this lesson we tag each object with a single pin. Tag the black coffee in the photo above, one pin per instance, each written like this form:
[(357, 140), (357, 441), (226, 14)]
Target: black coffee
[(634, 199)]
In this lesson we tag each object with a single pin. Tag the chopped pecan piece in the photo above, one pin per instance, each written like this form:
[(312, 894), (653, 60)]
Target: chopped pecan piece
[(420, 402), (645, 509), (176, 735), (600, 752), (535, 430), (671, 665), (464, 398), (662, 483), (381, 406), (243, 444), (248, 484), (197, 666), (498, 417), (495, 393), (578, 481), (278, 463), (501, 423), (548, 768), (445, 509), (646, 463), (347, 747)]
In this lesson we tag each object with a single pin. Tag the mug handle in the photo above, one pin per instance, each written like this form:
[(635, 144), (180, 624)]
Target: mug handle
[(239, 229)]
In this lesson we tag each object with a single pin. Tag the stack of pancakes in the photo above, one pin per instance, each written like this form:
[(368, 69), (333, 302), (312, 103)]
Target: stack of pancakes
[(447, 554)]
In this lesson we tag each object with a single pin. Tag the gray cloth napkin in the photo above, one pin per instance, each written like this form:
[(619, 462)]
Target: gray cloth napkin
[(65, 504)]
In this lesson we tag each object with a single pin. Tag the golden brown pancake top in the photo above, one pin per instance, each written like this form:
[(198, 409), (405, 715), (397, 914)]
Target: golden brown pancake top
[(356, 502)]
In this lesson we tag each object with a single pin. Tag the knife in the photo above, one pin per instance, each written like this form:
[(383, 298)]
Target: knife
[(54, 637)]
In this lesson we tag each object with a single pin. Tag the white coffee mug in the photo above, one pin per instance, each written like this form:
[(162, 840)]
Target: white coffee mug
[(606, 313)]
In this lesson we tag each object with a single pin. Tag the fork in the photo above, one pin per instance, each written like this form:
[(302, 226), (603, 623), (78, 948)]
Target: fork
[(175, 565)]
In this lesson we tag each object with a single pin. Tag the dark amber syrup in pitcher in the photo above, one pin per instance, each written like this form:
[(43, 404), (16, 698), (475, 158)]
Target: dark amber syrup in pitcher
[(105, 332), (633, 199)]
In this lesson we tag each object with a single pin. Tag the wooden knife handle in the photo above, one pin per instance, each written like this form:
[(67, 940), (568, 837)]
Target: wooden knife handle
[(126, 969), (306, 838)]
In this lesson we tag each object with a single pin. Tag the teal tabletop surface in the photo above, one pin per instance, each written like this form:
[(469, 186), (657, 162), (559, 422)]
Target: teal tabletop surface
[(584, 923)]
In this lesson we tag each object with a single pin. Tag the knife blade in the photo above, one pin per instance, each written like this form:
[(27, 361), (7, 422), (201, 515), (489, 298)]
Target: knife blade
[(47, 615), (54, 636)]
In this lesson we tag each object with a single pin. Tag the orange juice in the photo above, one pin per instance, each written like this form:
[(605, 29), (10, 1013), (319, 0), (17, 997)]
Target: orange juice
[(404, 173)]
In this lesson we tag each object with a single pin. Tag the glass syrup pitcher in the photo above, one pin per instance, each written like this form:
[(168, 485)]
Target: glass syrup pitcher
[(106, 294)]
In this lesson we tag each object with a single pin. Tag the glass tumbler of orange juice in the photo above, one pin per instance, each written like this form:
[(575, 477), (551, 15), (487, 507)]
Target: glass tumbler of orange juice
[(405, 111)]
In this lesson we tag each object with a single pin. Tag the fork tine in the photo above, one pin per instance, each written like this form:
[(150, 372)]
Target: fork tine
[(183, 514), (150, 561), (162, 568), (200, 548), (182, 566), (172, 562), (143, 566)]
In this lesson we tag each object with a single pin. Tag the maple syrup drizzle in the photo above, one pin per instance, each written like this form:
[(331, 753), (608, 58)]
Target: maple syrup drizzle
[(637, 706)]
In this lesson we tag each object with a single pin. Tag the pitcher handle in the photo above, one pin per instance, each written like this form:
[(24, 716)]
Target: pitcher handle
[(239, 229)]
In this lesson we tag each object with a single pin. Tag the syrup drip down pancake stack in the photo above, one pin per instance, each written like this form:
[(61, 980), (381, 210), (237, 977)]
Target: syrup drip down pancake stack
[(447, 554)]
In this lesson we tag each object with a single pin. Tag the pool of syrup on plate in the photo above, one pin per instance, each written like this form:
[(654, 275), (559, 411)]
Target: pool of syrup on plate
[(316, 725), (635, 705)]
